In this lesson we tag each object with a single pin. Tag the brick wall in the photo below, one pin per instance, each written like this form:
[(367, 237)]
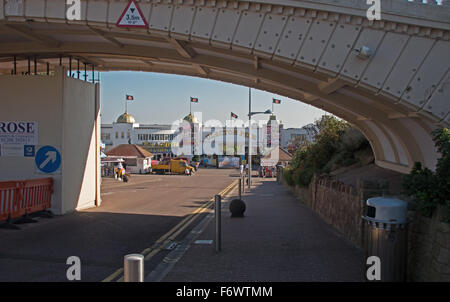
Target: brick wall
[(340, 205), (429, 248)]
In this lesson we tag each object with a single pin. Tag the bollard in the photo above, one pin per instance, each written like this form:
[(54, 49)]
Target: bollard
[(240, 188), (133, 268), (218, 215)]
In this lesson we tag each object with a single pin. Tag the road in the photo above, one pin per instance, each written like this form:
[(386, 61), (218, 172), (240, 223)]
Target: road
[(132, 217)]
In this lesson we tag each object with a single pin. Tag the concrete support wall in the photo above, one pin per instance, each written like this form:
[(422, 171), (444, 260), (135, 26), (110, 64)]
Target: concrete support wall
[(79, 141), (67, 113)]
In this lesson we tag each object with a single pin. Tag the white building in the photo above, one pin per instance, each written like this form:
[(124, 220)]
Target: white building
[(291, 137), (157, 139), (153, 138)]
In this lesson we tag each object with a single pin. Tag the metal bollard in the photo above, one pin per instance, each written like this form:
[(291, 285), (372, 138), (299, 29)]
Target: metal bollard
[(133, 268), (240, 188), (218, 214)]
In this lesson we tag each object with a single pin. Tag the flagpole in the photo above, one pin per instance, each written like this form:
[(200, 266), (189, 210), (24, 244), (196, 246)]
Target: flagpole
[(249, 138)]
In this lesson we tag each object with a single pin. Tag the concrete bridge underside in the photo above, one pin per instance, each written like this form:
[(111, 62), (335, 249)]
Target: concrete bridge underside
[(305, 50)]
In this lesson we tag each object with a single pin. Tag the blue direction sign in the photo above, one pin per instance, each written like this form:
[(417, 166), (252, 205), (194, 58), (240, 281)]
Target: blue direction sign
[(48, 159)]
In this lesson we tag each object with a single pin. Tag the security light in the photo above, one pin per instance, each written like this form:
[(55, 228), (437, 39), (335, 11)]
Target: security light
[(364, 52)]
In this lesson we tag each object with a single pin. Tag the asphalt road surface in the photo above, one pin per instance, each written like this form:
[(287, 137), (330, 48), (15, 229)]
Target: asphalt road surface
[(132, 217)]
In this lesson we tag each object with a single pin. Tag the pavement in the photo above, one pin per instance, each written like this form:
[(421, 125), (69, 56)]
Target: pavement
[(279, 240)]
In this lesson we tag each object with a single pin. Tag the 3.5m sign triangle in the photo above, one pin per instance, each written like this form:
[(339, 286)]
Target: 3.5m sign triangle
[(132, 16)]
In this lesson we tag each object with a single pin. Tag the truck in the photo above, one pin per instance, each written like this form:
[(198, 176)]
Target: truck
[(193, 164), (174, 166)]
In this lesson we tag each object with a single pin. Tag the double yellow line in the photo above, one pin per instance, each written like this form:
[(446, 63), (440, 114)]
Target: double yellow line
[(172, 234)]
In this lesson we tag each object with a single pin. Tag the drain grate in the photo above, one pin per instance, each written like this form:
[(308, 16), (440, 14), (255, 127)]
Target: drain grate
[(171, 245)]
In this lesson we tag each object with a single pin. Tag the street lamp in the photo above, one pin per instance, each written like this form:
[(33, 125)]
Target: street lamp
[(250, 114), (268, 111)]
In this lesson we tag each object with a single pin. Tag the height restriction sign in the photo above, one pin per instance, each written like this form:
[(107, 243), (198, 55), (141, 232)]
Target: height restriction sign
[(132, 16)]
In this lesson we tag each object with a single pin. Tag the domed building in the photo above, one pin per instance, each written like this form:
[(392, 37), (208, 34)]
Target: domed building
[(126, 118), (155, 139), (191, 119)]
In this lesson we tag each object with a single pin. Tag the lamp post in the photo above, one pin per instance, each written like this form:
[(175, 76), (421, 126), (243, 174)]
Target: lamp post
[(250, 114)]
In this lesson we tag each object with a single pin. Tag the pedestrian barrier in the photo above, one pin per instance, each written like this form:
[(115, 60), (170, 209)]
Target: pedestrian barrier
[(23, 197)]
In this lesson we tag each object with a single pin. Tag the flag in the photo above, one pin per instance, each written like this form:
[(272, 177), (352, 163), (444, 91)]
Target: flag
[(276, 101), (129, 98), (194, 100), (234, 115)]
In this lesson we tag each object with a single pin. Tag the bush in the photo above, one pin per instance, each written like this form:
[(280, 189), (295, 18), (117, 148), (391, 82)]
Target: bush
[(334, 146), (287, 174), (429, 189), (352, 140), (417, 185), (303, 177)]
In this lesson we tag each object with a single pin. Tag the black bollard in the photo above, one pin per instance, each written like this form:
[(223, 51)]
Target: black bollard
[(237, 208)]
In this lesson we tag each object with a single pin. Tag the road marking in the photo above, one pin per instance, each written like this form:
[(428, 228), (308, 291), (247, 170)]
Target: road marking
[(159, 245), (204, 241), (113, 275), (191, 216), (152, 253), (170, 260), (182, 222)]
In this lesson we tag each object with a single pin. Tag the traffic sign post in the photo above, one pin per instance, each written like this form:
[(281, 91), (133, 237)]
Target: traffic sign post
[(48, 159)]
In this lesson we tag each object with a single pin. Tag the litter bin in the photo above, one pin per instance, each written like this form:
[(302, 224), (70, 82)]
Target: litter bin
[(386, 235)]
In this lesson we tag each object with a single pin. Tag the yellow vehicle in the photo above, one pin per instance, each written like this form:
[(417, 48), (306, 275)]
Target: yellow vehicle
[(175, 166)]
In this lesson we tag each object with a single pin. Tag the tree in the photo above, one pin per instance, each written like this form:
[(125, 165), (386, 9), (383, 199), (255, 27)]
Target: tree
[(312, 158), (334, 146)]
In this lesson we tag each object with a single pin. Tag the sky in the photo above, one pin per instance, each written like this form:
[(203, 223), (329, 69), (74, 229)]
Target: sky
[(164, 98)]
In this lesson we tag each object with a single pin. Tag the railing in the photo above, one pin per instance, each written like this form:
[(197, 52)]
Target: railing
[(18, 198)]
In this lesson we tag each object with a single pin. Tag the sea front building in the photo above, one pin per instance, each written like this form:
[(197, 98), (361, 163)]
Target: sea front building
[(159, 139)]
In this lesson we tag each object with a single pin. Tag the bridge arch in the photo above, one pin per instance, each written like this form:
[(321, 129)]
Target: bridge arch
[(306, 50)]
